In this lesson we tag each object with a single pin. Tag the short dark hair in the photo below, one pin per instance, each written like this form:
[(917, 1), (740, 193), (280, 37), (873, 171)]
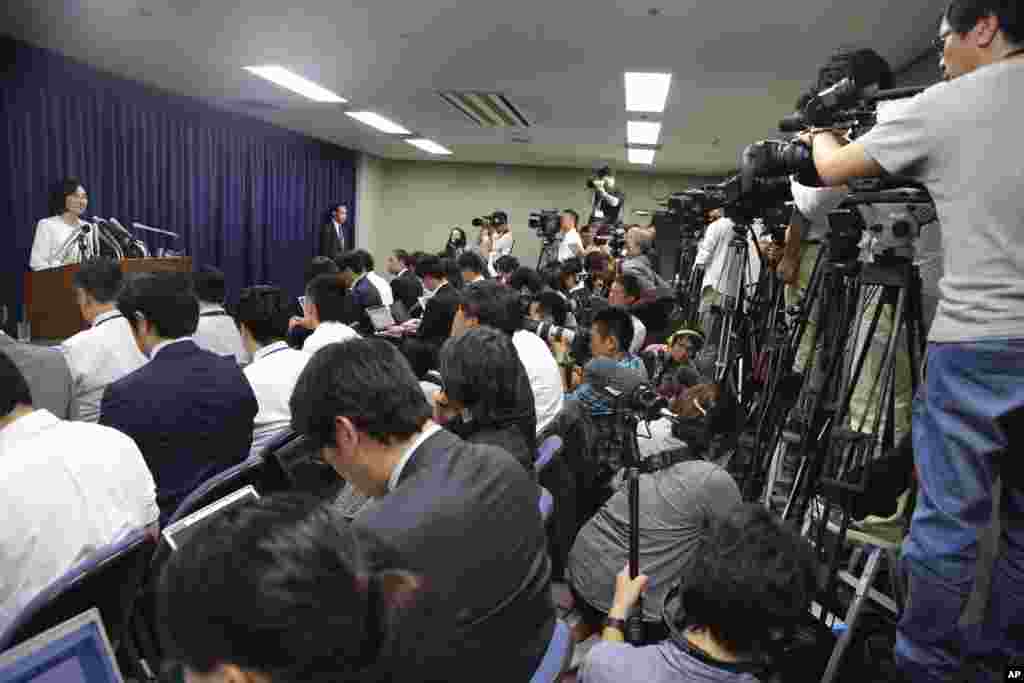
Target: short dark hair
[(14, 389), (335, 207), (61, 191), (166, 300), (471, 261), (367, 258), (491, 304), (575, 216), (330, 296), (350, 260), (616, 322), (277, 586), (209, 284), (320, 265), (554, 305), (631, 285), (431, 265), (366, 380), (481, 369), (752, 577), (506, 264), (962, 16), (264, 310), (401, 255), (528, 278), (100, 278)]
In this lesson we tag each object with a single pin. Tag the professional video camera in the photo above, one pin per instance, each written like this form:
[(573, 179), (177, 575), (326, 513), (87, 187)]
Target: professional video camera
[(845, 97), (546, 223), (577, 339), (615, 239)]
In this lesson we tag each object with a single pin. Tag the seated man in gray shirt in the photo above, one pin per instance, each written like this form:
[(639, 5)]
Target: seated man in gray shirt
[(752, 577), (45, 370), (676, 505)]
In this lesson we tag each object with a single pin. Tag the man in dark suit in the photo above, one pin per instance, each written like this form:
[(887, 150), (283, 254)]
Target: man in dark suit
[(464, 517), (361, 291), (436, 319), (336, 234), (190, 411), (406, 285)]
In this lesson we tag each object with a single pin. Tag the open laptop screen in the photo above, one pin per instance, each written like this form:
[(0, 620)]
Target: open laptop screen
[(76, 651)]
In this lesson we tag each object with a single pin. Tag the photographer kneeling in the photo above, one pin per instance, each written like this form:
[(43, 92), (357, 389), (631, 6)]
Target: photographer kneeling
[(751, 577), (677, 503)]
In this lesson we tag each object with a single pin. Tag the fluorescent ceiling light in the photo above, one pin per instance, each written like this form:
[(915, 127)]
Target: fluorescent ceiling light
[(640, 156), (646, 91), (377, 121), (428, 146), (642, 132), (296, 83)]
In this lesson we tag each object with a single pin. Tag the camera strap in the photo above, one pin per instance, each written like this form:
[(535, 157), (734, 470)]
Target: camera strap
[(665, 459)]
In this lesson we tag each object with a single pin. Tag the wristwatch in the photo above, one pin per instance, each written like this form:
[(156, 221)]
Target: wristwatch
[(617, 624)]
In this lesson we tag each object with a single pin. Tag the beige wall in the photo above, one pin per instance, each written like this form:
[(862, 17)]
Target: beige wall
[(413, 204)]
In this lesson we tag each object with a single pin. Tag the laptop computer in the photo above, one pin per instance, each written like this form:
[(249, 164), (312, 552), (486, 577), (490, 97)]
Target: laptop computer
[(76, 651), (177, 534)]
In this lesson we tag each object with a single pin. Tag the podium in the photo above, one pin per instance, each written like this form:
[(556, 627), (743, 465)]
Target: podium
[(50, 305)]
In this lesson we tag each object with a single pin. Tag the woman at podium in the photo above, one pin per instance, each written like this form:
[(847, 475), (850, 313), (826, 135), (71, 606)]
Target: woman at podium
[(54, 245)]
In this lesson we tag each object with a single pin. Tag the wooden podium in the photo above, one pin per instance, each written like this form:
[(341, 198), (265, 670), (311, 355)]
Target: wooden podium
[(50, 305)]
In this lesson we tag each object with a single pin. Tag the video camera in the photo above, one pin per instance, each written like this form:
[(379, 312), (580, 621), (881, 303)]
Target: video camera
[(546, 223)]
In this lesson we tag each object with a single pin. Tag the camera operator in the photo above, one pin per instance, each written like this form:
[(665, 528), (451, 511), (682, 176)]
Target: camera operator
[(626, 291), (639, 243), (571, 245), (956, 138), (608, 199), (503, 240), (503, 268)]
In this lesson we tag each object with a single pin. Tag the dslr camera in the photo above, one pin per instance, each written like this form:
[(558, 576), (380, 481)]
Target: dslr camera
[(597, 177)]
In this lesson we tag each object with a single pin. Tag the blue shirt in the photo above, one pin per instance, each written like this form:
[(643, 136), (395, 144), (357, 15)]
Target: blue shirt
[(596, 402)]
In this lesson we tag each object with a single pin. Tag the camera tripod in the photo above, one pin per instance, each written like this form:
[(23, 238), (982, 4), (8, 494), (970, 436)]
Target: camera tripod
[(838, 361), (688, 280)]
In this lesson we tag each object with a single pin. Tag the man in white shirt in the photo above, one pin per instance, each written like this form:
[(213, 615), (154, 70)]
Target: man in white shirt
[(325, 306), (216, 331), (504, 244), (106, 351), (263, 320), (66, 489), (51, 247), (491, 304), (571, 245), (387, 297)]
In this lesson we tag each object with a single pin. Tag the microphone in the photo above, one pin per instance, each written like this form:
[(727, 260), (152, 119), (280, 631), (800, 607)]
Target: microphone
[(113, 222)]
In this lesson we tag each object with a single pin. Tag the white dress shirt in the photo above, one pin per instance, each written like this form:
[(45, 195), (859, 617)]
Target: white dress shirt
[(545, 379), (639, 334), (51, 234), (713, 254), (66, 489), (383, 288), (569, 239), (328, 333), (104, 353), (272, 374), (396, 473), (217, 333)]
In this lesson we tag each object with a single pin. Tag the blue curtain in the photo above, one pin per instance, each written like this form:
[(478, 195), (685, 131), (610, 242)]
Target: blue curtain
[(245, 196)]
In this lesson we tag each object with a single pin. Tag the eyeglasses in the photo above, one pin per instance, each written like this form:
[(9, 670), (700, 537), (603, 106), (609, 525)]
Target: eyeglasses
[(940, 43)]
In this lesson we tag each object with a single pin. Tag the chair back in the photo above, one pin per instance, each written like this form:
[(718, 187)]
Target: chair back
[(219, 485), (299, 459), (108, 580), (557, 657), (546, 502), (546, 452)]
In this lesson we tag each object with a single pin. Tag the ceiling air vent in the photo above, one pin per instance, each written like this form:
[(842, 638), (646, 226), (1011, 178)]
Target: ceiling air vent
[(486, 109)]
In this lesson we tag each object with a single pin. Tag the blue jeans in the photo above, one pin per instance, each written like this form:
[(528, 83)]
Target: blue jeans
[(958, 450)]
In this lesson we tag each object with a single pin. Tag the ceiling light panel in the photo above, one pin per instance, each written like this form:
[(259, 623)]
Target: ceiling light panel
[(296, 83), (643, 132), (640, 156), (428, 146), (384, 125), (647, 92)]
